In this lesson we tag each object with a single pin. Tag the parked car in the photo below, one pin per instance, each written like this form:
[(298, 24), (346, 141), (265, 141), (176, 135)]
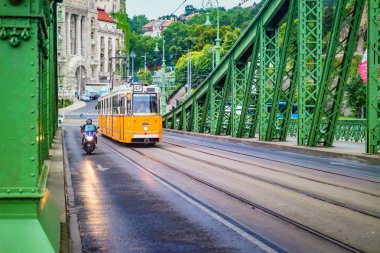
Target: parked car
[(85, 98), (94, 95)]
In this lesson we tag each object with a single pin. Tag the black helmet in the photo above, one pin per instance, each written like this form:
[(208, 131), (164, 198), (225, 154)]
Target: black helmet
[(89, 121)]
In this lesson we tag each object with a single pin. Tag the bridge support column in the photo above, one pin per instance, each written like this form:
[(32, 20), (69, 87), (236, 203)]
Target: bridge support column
[(29, 220), (373, 85), (268, 64), (309, 63)]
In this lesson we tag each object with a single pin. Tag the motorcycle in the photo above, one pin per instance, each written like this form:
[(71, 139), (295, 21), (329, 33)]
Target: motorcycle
[(89, 143)]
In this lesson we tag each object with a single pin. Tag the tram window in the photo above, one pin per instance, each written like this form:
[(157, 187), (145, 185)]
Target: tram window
[(115, 105), (145, 103), (99, 107), (122, 105)]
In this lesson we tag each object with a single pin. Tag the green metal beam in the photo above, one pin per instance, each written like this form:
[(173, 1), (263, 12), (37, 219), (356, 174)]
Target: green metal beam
[(269, 62), (309, 63), (27, 44), (373, 79), (330, 91), (285, 84), (249, 111)]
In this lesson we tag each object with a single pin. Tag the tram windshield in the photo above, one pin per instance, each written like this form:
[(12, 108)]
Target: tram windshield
[(145, 103)]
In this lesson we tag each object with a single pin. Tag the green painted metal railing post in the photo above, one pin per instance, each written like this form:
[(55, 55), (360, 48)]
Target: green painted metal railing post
[(309, 62), (373, 78)]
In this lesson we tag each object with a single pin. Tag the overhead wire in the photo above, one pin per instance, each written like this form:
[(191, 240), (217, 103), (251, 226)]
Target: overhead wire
[(184, 1)]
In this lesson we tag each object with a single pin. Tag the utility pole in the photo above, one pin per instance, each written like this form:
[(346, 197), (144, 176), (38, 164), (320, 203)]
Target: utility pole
[(189, 73), (163, 71)]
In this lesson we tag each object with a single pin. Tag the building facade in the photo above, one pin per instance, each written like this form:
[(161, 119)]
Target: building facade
[(82, 61), (155, 27), (109, 6)]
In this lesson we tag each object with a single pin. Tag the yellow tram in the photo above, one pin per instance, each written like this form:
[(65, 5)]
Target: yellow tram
[(131, 113)]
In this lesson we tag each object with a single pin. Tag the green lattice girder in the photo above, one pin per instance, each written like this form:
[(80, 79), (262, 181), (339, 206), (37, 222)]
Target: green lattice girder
[(239, 79), (373, 78), (330, 92), (249, 111), (243, 44), (309, 62), (218, 99), (286, 82), (268, 71)]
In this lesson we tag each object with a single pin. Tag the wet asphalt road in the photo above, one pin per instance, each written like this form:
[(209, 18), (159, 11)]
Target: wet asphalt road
[(121, 208)]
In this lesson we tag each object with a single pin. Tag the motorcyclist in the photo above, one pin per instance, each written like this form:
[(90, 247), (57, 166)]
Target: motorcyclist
[(89, 123)]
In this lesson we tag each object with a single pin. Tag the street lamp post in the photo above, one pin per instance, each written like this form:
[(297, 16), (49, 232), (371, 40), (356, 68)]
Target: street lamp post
[(144, 62), (212, 4), (163, 72), (211, 51), (133, 55)]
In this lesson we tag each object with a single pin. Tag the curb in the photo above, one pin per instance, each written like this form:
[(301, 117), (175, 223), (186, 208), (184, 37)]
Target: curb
[(314, 151), (75, 244)]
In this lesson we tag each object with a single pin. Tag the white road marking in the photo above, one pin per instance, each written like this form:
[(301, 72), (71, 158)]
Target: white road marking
[(342, 164), (101, 168), (238, 230)]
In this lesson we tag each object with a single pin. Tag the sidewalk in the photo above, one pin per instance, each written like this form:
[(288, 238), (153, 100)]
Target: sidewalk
[(56, 185), (77, 104), (178, 96), (341, 149)]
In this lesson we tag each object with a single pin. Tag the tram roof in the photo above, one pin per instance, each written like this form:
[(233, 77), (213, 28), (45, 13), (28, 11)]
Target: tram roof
[(132, 88)]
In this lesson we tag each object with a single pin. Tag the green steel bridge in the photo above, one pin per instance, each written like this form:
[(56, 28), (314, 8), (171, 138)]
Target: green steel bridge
[(264, 68), (260, 69)]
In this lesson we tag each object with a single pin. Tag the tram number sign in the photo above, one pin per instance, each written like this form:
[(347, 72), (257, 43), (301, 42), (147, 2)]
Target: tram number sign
[(137, 88)]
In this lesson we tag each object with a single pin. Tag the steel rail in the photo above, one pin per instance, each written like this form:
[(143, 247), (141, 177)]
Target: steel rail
[(246, 201), (279, 161), (272, 169), (293, 189)]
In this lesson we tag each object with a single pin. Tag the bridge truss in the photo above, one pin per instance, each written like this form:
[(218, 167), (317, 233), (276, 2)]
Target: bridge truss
[(240, 96)]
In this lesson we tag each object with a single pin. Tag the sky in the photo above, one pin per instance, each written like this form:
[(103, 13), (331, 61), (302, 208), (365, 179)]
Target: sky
[(156, 8)]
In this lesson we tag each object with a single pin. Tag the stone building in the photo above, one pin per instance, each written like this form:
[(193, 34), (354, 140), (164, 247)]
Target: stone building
[(109, 6), (82, 61)]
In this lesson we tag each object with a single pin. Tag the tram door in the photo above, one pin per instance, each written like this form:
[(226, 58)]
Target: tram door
[(123, 112)]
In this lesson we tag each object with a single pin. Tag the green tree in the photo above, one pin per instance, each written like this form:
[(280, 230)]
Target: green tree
[(356, 95), (137, 22), (145, 76)]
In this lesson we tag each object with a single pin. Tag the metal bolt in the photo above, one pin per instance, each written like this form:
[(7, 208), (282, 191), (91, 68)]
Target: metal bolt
[(32, 111), (31, 127), (32, 174), (21, 190), (32, 143), (32, 159), (8, 191), (33, 190)]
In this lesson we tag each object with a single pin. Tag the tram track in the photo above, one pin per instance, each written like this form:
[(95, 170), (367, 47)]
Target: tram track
[(289, 188), (271, 169), (243, 200), (274, 160)]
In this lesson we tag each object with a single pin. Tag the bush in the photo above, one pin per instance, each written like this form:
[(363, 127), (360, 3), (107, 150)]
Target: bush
[(66, 103)]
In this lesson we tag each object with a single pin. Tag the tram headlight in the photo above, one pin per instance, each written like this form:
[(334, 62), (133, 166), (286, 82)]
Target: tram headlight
[(145, 128)]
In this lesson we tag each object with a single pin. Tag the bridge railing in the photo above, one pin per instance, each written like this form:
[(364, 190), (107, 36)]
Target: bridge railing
[(347, 130)]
